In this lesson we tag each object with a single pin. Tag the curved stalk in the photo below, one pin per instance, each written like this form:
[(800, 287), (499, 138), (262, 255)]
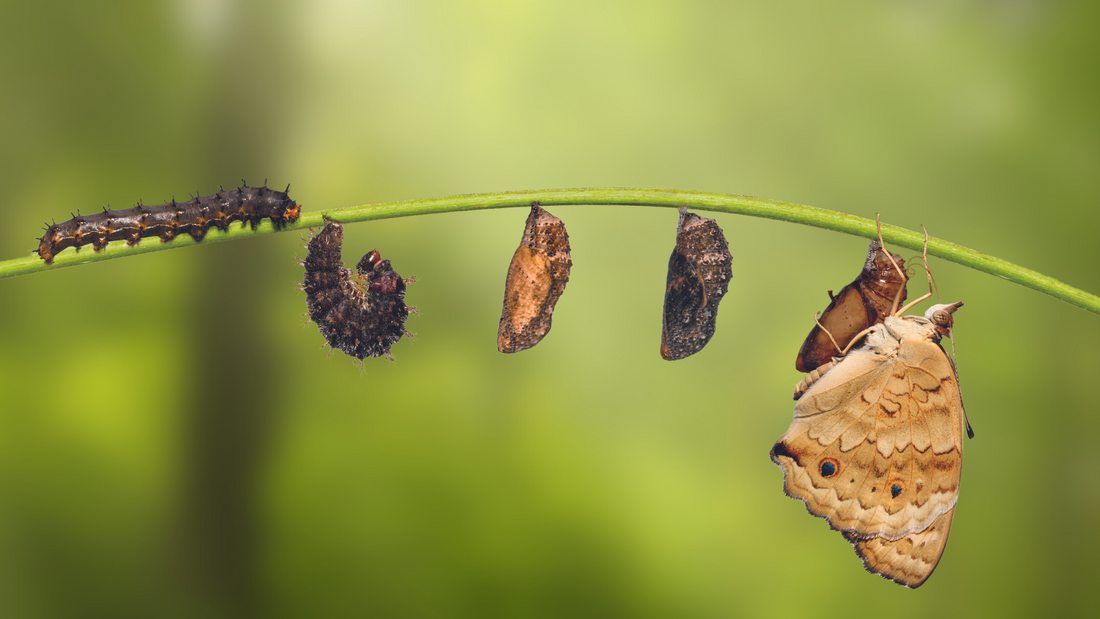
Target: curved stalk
[(672, 198)]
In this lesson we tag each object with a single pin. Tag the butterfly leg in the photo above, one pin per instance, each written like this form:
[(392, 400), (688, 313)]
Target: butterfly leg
[(926, 270), (882, 244), (831, 338)]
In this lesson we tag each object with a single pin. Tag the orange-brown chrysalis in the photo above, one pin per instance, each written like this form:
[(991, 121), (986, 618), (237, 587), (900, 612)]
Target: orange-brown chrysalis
[(536, 278), (864, 302), (699, 271)]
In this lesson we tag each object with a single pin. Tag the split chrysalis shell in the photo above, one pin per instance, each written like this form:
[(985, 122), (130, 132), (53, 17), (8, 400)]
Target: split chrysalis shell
[(862, 303)]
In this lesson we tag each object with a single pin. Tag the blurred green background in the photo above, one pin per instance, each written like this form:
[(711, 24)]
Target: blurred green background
[(174, 442)]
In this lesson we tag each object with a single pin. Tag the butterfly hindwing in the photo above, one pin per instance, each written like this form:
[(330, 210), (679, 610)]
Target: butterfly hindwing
[(909, 560)]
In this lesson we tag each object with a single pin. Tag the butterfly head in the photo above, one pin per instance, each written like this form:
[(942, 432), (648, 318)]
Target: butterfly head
[(943, 317)]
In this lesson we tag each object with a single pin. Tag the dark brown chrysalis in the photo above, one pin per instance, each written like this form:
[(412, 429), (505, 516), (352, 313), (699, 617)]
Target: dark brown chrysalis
[(362, 314), (699, 272), (195, 216), (536, 278), (859, 305)]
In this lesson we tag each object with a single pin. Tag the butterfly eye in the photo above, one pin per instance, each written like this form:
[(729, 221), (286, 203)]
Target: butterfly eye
[(828, 467), (942, 315), (942, 319)]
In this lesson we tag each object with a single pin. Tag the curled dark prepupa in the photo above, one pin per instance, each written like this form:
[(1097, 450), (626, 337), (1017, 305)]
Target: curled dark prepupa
[(362, 314)]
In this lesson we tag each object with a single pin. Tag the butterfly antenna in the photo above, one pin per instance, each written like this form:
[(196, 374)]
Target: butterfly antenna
[(955, 366), (927, 270)]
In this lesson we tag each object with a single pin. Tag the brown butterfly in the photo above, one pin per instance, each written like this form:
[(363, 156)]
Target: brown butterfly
[(536, 279), (875, 447), (864, 302)]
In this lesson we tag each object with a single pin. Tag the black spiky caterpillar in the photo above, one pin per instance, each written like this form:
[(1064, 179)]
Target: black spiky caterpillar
[(195, 216), (362, 314)]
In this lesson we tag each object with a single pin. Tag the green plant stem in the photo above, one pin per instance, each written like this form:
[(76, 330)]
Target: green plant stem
[(674, 198)]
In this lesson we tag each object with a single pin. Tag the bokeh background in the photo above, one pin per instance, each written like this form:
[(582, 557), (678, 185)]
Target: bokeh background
[(174, 441)]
